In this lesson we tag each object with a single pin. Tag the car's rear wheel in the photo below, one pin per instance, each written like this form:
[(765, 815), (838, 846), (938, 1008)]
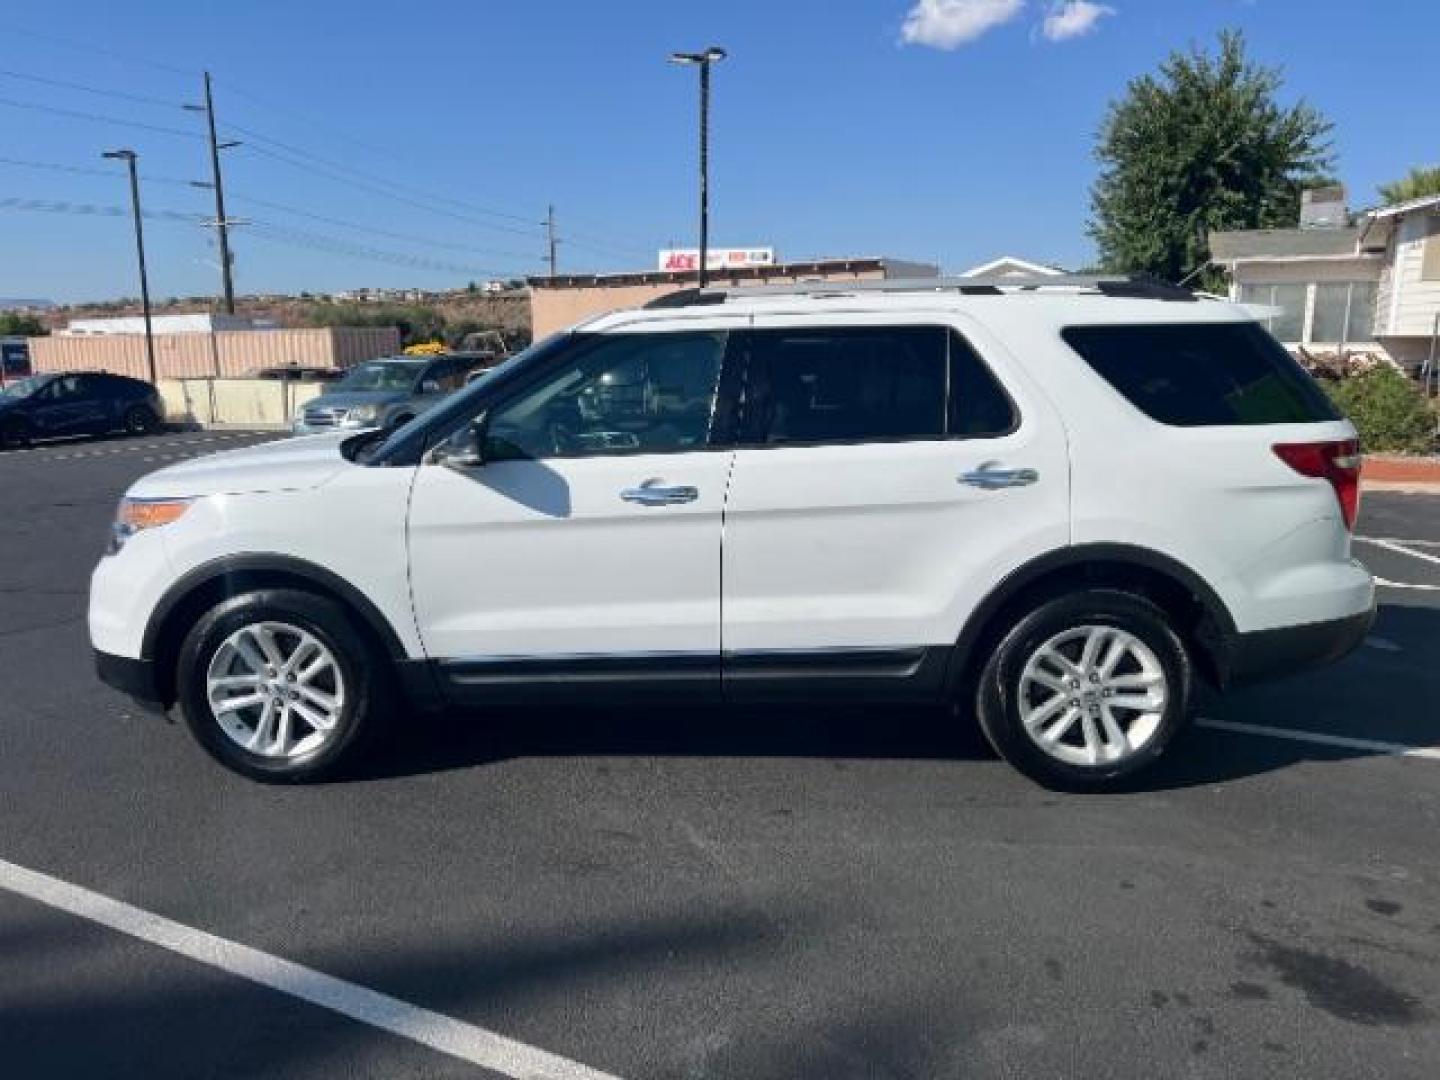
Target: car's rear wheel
[(140, 420), (14, 433), (1086, 689), (277, 686)]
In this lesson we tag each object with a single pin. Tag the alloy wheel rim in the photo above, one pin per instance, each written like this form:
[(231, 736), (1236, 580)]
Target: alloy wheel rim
[(275, 690), (1093, 695)]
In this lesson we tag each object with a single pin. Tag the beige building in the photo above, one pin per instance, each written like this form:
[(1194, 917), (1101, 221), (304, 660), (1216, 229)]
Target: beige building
[(227, 353), (561, 301)]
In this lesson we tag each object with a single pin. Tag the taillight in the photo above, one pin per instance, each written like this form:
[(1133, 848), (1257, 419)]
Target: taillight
[(1337, 462)]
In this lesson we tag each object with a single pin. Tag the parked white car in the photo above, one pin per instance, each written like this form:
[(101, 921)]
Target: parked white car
[(1054, 505)]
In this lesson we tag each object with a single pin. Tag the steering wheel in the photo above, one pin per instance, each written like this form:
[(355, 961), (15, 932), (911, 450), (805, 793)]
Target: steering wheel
[(562, 439)]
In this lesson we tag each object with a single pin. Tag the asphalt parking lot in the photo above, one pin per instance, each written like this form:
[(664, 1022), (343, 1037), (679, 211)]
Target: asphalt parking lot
[(710, 895)]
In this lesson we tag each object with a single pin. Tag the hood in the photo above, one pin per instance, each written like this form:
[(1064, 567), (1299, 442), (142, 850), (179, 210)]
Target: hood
[(349, 399), (284, 465)]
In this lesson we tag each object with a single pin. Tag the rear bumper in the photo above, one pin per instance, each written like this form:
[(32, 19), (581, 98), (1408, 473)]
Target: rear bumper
[(1270, 654), (138, 678)]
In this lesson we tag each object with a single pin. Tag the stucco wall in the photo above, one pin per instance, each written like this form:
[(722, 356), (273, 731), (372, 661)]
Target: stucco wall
[(228, 353), (553, 309)]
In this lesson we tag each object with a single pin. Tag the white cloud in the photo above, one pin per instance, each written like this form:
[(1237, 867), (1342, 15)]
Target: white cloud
[(1073, 18), (948, 24)]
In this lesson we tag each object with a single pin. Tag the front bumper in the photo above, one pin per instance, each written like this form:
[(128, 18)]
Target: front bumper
[(1270, 654), (300, 427), (138, 678)]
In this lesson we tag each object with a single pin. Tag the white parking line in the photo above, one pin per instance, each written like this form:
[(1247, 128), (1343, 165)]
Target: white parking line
[(1343, 741), (1399, 549), (435, 1030)]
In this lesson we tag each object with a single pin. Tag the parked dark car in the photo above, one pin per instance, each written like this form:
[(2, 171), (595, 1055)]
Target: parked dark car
[(297, 373), (76, 403)]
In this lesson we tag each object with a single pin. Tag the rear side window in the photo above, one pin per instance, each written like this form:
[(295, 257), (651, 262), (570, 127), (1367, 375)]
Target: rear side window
[(1203, 374), (869, 384)]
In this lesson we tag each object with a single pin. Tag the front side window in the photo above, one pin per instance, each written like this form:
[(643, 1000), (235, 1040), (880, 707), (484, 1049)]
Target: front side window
[(859, 384), (615, 393), (1203, 374)]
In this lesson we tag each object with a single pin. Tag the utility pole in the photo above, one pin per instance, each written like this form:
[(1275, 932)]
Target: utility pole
[(550, 236), (129, 156), (704, 60), (221, 223)]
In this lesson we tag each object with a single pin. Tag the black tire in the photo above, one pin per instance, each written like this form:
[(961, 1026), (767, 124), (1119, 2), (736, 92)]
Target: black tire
[(140, 420), (365, 672), (14, 434), (998, 694)]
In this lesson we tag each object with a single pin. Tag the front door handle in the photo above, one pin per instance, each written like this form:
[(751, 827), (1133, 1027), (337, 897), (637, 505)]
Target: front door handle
[(655, 493), (990, 478)]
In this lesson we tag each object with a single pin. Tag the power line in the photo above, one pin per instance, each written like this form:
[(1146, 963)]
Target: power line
[(263, 230), (329, 163), (60, 206), (363, 185), (359, 227), (99, 50), (120, 95), (81, 170), (76, 114)]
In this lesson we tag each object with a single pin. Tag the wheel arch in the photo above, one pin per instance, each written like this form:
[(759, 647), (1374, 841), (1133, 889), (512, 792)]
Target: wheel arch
[(1202, 618), (206, 585)]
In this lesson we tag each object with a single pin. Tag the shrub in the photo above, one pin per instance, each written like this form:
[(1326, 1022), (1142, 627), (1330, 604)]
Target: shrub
[(1389, 410)]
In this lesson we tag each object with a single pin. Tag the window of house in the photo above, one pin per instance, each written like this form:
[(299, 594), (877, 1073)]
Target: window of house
[(1430, 251), (1288, 322)]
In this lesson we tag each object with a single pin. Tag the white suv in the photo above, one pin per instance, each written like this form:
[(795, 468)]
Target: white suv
[(1052, 506)]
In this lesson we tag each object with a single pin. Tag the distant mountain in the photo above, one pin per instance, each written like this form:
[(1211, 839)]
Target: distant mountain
[(15, 304)]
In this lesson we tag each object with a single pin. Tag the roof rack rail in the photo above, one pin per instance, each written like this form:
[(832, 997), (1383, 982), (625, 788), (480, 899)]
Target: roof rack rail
[(1141, 287)]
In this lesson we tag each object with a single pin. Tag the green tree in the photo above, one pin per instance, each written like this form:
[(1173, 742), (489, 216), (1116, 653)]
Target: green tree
[(415, 322), (14, 323), (1416, 184), (1201, 145)]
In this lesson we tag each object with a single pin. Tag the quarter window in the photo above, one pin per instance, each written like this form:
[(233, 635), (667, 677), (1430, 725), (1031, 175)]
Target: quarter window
[(1205, 374)]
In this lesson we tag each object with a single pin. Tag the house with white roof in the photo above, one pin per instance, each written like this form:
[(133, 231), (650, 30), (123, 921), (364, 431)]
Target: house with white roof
[(1344, 283)]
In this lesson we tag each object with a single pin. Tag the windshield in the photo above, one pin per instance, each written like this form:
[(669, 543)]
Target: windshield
[(380, 375), (23, 388)]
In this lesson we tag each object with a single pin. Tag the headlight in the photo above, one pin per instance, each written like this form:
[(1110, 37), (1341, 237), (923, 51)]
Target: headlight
[(136, 515), (363, 414)]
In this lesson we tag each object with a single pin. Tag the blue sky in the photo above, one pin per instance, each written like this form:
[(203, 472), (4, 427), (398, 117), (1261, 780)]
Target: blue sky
[(943, 130)]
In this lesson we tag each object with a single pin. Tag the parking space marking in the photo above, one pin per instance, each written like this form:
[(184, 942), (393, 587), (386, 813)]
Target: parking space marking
[(435, 1030), (49, 452), (1343, 741), (1399, 549), (1387, 583)]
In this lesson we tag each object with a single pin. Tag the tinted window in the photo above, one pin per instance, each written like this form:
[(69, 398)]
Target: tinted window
[(1203, 374), (616, 393), (869, 384)]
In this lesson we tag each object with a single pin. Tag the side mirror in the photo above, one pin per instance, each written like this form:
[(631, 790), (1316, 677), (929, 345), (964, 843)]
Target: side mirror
[(465, 449)]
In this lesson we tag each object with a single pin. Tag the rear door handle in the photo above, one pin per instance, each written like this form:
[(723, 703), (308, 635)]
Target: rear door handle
[(990, 478), (654, 493)]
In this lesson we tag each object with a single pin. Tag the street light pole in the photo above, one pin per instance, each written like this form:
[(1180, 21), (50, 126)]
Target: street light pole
[(129, 157), (703, 60)]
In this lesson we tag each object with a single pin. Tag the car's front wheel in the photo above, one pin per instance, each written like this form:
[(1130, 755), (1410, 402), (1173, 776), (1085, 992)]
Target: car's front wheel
[(1086, 689), (278, 686), (14, 433), (140, 420)]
